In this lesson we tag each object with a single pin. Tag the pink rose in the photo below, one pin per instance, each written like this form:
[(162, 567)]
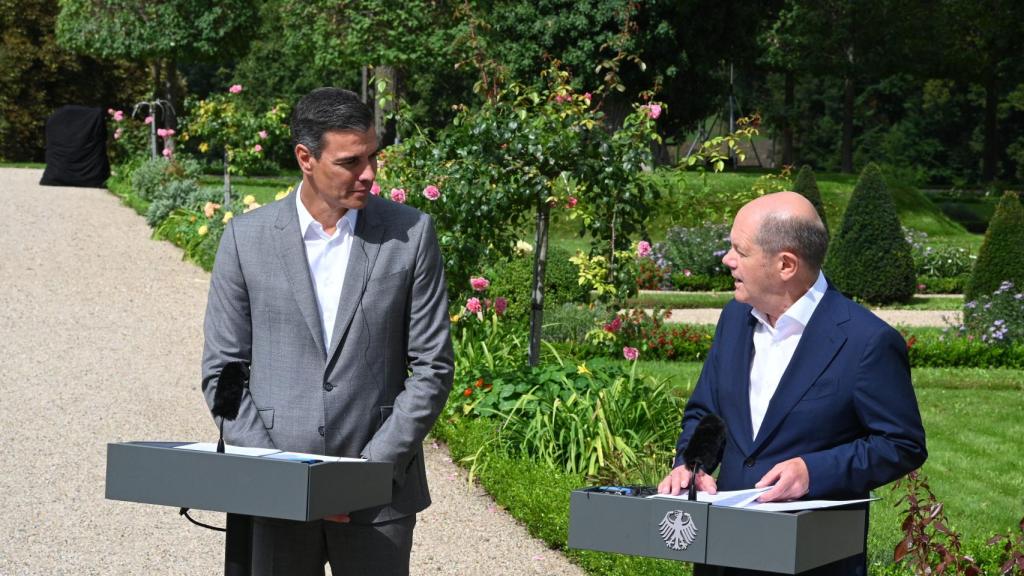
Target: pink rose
[(571, 202), (118, 115), (479, 283), (630, 353), (262, 134), (653, 110), (375, 189), (587, 97), (398, 195), (643, 249), (562, 98), (474, 306), (148, 119), (687, 273), (257, 148), (614, 325), (431, 193), (161, 132), (235, 88), (118, 133), (167, 152), (500, 305)]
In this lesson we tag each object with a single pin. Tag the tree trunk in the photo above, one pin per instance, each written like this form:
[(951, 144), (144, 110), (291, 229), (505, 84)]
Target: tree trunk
[(846, 148), (387, 132), (540, 256), (990, 149), (788, 155)]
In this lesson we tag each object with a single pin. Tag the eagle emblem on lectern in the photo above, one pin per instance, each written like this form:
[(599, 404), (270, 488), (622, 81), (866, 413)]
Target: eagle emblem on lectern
[(677, 529)]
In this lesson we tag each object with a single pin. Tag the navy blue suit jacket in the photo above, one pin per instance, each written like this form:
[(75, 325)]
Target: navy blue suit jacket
[(845, 403)]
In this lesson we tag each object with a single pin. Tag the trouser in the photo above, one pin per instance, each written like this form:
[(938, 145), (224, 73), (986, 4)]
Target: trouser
[(285, 547)]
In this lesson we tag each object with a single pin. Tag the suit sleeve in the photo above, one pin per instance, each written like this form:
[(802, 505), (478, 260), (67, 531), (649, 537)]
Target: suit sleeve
[(893, 442), (703, 399), (228, 338), (430, 362)]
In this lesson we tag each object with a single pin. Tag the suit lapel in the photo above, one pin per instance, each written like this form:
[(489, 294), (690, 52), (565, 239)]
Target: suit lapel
[(365, 246), (292, 252), (739, 385), (821, 341)]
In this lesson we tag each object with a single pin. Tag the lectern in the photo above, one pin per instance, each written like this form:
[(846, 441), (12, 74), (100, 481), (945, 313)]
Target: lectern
[(243, 486), (702, 533)]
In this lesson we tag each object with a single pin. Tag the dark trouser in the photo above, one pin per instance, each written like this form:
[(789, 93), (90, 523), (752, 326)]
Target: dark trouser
[(283, 547)]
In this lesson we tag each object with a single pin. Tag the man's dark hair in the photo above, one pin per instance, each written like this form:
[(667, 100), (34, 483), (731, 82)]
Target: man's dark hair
[(327, 110), (805, 237)]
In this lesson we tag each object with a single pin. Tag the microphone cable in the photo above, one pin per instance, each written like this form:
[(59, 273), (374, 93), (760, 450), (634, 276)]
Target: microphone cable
[(184, 512)]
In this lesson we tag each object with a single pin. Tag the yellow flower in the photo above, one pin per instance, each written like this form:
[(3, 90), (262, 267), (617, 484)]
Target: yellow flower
[(252, 206), (249, 199), (203, 147), (203, 230), (454, 318), (582, 369), (228, 216)]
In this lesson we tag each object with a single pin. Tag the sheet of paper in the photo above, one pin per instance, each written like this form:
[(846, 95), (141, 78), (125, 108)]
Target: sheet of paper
[(733, 498), (305, 456), (228, 449), (803, 505)]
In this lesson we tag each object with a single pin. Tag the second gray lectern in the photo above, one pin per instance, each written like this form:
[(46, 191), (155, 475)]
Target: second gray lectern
[(702, 533), (270, 486)]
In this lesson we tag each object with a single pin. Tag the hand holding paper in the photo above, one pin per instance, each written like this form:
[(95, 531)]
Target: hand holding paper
[(790, 478)]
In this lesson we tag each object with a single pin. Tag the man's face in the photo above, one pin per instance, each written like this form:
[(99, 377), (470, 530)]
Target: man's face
[(752, 271), (344, 173)]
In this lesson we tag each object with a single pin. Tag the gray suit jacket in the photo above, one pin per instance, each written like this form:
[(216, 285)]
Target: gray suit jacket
[(378, 390)]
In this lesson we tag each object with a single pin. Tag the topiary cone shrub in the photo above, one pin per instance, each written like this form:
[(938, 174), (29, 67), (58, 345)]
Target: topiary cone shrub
[(1000, 258), (806, 185), (870, 259)]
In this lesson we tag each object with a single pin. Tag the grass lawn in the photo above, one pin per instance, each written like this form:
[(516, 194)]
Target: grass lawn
[(39, 165), (264, 189)]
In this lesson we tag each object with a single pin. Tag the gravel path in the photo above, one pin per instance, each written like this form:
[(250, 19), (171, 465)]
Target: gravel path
[(100, 339)]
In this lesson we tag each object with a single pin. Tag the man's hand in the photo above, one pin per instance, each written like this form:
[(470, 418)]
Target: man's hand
[(339, 518), (791, 481), (679, 478)]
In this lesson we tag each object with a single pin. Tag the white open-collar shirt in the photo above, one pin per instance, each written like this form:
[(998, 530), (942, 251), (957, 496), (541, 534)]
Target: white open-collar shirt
[(327, 256), (774, 347)]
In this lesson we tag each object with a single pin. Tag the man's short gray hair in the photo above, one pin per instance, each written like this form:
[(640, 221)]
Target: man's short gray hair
[(805, 237)]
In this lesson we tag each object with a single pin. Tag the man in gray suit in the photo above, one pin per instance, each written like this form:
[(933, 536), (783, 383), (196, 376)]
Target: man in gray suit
[(337, 299)]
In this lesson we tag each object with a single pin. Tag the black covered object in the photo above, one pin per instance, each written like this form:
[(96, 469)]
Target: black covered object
[(76, 148)]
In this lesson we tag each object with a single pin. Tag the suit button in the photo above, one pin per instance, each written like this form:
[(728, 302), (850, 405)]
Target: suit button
[(749, 462), (328, 386), (320, 430)]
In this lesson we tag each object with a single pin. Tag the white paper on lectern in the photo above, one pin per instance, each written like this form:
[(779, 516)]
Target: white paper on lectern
[(228, 449), (747, 499), (798, 505), (305, 456)]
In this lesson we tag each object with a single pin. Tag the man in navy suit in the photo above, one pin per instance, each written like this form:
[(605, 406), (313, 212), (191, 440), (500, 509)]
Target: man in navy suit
[(814, 389)]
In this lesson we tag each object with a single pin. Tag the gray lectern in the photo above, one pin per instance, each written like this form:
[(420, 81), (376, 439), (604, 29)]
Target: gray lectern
[(243, 486), (784, 542)]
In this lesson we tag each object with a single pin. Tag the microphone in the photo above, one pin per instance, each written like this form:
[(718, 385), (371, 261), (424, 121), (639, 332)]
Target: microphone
[(704, 451), (227, 398)]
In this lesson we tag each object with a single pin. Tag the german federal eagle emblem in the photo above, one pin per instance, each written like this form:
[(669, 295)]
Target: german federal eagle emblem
[(677, 529)]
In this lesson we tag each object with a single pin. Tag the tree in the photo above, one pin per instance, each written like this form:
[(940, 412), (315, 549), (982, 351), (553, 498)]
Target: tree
[(870, 259), (40, 76), (999, 257), (160, 34), (807, 186)]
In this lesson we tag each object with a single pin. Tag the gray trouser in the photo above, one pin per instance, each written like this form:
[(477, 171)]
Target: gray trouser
[(284, 547)]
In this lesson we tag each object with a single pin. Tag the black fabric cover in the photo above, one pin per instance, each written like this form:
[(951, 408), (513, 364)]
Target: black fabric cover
[(76, 148)]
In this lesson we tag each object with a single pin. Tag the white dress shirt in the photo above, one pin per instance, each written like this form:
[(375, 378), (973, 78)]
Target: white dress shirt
[(774, 347), (327, 256)]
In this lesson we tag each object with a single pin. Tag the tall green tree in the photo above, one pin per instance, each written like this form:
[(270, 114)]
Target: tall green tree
[(40, 76), (806, 185), (160, 34), (870, 259)]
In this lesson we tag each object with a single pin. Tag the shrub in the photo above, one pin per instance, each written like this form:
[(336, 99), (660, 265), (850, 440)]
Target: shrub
[(997, 318), (999, 259), (695, 282), (933, 285), (807, 186), (512, 280), (698, 250), (173, 195), (152, 176), (570, 322), (958, 349), (937, 261), (652, 337), (870, 259), (651, 275)]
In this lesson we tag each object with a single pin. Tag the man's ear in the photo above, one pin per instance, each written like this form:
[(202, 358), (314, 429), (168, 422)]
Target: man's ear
[(789, 265), (304, 157)]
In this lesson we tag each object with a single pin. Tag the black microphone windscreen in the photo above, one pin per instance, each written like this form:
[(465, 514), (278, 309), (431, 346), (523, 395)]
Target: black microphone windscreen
[(227, 398), (705, 446)]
